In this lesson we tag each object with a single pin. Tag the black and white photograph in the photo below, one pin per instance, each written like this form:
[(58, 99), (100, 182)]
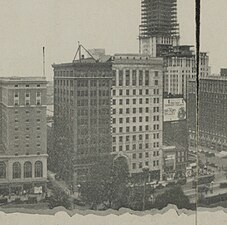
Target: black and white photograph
[(110, 106)]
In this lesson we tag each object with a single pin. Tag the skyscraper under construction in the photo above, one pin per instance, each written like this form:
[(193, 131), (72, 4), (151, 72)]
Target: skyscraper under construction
[(159, 30)]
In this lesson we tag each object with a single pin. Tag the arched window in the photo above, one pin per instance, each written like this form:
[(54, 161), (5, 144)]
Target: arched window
[(27, 169), (38, 169), (16, 170), (2, 170)]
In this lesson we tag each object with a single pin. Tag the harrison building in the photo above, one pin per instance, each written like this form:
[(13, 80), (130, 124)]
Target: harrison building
[(111, 106)]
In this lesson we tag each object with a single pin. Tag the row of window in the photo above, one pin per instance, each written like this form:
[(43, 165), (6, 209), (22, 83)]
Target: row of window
[(27, 102), (83, 83), (27, 85), (93, 83), (146, 155), (93, 111), (134, 110), (134, 119), (27, 111), (17, 171), (134, 147), (134, 137), (27, 136), (27, 94), (135, 128), (84, 102), (134, 101), (140, 164), (128, 78), (134, 92), (27, 121), (92, 93), (16, 145), (28, 128)]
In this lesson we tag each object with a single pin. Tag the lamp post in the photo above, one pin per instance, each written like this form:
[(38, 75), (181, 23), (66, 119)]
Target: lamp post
[(145, 176)]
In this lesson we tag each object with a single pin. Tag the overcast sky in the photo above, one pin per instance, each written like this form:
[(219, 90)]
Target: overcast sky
[(27, 25)]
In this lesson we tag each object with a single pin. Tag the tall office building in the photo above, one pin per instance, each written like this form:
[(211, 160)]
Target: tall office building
[(160, 37), (212, 122), (23, 150), (85, 104), (180, 67), (137, 111), (159, 30), (82, 111)]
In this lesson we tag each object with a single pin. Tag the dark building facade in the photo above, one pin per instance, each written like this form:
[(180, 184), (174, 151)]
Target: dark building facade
[(175, 133), (82, 111), (212, 121)]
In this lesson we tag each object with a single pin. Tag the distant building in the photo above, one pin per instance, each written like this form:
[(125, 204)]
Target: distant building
[(212, 122), (159, 29), (159, 37), (180, 67), (23, 140), (120, 94)]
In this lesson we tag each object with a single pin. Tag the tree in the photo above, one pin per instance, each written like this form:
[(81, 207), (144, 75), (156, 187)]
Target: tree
[(60, 158), (95, 189), (119, 185), (107, 184), (59, 198), (175, 196)]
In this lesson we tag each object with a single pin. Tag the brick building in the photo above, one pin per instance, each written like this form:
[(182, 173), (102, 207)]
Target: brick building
[(23, 154), (212, 122), (82, 110)]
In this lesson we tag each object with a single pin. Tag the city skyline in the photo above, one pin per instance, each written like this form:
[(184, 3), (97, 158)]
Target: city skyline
[(23, 26), (117, 125)]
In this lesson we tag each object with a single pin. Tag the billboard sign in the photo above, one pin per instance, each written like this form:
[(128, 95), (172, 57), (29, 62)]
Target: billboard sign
[(174, 109)]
